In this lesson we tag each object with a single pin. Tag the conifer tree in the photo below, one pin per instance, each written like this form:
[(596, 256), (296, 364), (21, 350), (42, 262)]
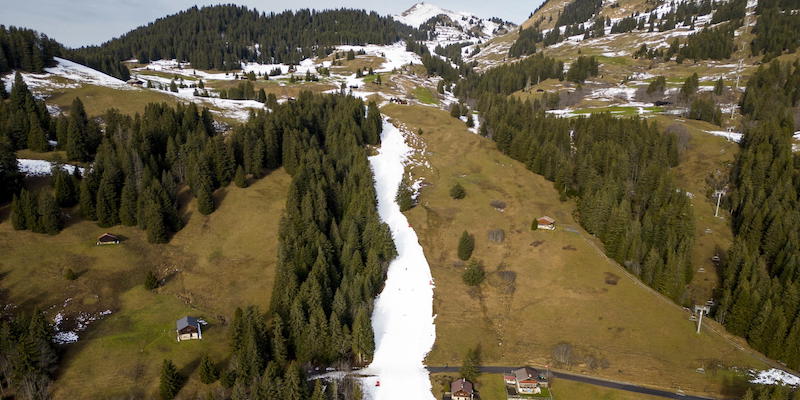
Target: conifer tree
[(719, 86), (363, 339), (470, 367), (205, 200), (66, 192), (37, 139), (18, 214), (466, 244), (52, 222), (87, 201), (240, 179), (10, 177), (154, 221), (106, 207), (208, 371), (171, 381), (128, 203)]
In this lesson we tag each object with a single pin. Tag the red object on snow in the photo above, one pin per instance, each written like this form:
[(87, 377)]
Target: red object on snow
[(377, 383)]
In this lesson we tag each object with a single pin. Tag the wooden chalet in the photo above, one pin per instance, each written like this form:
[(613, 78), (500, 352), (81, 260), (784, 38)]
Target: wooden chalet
[(461, 389), (546, 222), (107, 238), (188, 328)]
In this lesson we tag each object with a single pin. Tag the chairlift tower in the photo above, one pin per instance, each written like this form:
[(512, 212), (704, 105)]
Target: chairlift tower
[(700, 310), (719, 194)]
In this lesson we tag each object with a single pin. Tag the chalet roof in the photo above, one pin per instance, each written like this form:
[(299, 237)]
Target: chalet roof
[(107, 237), (461, 385), (186, 321), (545, 220), (526, 373)]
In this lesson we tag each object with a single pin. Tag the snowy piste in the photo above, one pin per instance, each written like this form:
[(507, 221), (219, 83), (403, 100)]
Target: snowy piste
[(403, 316)]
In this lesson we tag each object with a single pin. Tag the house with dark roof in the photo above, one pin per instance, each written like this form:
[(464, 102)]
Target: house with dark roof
[(461, 389), (529, 380), (107, 238), (188, 328)]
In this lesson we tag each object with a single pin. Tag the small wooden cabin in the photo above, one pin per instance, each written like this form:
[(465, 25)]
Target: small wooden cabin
[(188, 328), (107, 238), (546, 222)]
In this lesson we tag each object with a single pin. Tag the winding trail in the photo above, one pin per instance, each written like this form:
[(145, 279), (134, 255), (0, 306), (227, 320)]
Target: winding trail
[(403, 316)]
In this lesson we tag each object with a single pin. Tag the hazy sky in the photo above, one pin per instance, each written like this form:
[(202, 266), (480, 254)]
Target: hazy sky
[(81, 22)]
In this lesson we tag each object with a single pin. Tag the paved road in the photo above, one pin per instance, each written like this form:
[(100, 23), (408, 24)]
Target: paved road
[(592, 381)]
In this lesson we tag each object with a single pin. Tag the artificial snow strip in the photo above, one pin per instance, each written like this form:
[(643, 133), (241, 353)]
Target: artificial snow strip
[(403, 316)]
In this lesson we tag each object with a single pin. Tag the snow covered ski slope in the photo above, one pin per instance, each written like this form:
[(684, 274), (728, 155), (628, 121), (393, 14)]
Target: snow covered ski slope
[(403, 315)]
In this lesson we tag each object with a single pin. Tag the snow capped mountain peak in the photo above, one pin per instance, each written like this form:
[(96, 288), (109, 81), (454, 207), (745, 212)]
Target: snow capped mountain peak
[(421, 12), (454, 25)]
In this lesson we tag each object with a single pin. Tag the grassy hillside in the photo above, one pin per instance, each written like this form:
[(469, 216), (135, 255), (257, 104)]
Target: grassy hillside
[(543, 288), (210, 267)]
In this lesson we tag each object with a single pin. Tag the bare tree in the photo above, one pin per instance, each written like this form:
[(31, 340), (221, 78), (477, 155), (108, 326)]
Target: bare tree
[(563, 354)]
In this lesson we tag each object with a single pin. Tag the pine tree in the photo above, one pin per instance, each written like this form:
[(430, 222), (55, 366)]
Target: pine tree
[(66, 192), (205, 200), (128, 203), (208, 371), (470, 122), (240, 180), (455, 110), (171, 381), (294, 387), (87, 201), (52, 222), (471, 364), (719, 86), (37, 139), (18, 214), (319, 392), (363, 339), (466, 244), (154, 221), (106, 207)]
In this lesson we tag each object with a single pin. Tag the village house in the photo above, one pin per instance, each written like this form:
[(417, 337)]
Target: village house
[(188, 328), (527, 380), (546, 222), (107, 238), (461, 389)]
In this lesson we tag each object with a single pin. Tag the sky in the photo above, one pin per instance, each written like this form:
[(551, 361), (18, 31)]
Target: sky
[(85, 22)]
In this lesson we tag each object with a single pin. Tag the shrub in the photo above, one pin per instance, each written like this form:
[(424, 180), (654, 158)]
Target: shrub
[(457, 191), (150, 281), (70, 274), (474, 274)]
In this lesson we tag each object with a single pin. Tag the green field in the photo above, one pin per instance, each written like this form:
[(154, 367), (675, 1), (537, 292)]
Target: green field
[(213, 265), (424, 95), (543, 288)]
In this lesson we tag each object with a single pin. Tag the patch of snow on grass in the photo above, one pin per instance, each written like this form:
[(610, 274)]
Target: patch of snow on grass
[(403, 316), (775, 377), (42, 167), (732, 136), (83, 74), (395, 55)]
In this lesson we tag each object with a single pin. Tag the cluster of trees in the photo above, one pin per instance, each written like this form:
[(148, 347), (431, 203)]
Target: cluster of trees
[(776, 28), (582, 68), (526, 42), (28, 359), (220, 37), (619, 171), (760, 291), (38, 212), (452, 51), (508, 78), (333, 248), (704, 108), (27, 124), (26, 50), (771, 392), (24, 120), (710, 43), (578, 11)]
